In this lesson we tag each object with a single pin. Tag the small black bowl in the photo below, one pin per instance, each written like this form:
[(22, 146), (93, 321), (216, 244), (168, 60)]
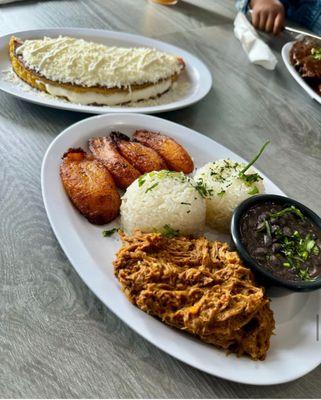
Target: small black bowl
[(263, 274)]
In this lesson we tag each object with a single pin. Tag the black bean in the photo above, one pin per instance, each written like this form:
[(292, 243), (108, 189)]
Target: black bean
[(276, 247), (274, 228), (287, 231), (260, 226), (260, 251), (274, 260)]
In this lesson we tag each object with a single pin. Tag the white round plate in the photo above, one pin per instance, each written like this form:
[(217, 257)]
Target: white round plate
[(286, 58), (294, 349), (196, 73)]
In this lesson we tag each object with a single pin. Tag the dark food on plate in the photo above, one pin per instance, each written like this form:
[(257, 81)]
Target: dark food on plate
[(143, 158), (89, 186), (305, 56), (175, 156), (283, 240), (105, 150), (199, 287)]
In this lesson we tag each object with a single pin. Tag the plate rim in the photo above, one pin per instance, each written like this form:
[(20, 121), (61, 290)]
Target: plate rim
[(89, 284), (198, 64)]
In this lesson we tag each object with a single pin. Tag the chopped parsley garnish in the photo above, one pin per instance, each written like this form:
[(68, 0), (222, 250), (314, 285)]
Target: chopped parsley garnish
[(186, 204), (316, 53), (304, 275), (315, 250), (109, 232), (221, 193), (151, 187), (141, 180), (169, 232), (293, 246), (179, 176), (268, 227), (202, 188), (249, 179), (253, 191), (286, 210), (219, 171)]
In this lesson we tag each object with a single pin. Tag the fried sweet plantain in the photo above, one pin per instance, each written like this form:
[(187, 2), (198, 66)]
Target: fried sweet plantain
[(89, 186), (143, 158), (105, 150), (175, 156)]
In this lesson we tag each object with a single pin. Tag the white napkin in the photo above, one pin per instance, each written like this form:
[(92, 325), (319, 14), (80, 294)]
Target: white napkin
[(257, 51)]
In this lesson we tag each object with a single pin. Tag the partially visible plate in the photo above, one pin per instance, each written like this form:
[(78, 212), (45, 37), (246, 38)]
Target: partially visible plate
[(286, 58), (294, 349), (196, 77)]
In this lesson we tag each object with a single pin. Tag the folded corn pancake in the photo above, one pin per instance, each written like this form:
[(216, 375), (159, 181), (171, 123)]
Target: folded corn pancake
[(198, 286), (91, 73)]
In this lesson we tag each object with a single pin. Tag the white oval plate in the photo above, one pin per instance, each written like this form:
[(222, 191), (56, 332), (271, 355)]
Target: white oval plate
[(286, 58), (294, 349), (196, 73)]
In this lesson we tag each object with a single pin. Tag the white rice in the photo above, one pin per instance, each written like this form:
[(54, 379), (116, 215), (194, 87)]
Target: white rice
[(225, 190), (163, 199)]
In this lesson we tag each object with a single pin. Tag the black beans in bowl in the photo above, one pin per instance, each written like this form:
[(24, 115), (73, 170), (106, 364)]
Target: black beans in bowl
[(280, 239)]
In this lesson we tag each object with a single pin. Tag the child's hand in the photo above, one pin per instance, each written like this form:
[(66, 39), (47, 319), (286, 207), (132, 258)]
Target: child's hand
[(268, 15)]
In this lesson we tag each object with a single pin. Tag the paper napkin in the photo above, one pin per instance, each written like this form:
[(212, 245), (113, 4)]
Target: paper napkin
[(257, 51)]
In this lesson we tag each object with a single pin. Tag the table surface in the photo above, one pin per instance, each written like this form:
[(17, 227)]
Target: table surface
[(56, 338)]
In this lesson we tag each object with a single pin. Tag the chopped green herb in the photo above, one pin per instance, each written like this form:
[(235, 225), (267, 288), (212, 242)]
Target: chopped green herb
[(186, 204), (316, 53), (221, 193), (310, 244), (255, 158), (151, 187), (141, 180), (202, 188), (294, 247), (268, 227), (179, 176), (110, 232), (304, 275), (286, 210), (251, 178), (169, 232), (253, 191)]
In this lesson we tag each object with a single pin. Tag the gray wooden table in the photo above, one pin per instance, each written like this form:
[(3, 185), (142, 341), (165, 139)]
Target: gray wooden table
[(56, 338)]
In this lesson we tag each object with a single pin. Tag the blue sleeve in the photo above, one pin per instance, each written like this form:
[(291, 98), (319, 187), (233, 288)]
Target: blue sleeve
[(242, 5)]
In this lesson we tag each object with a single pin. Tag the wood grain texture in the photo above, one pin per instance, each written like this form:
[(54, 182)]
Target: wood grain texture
[(56, 338)]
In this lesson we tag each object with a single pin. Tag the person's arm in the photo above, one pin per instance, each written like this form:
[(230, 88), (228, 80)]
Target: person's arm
[(268, 15)]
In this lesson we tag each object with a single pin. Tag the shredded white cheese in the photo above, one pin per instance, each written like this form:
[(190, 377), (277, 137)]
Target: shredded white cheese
[(76, 61)]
